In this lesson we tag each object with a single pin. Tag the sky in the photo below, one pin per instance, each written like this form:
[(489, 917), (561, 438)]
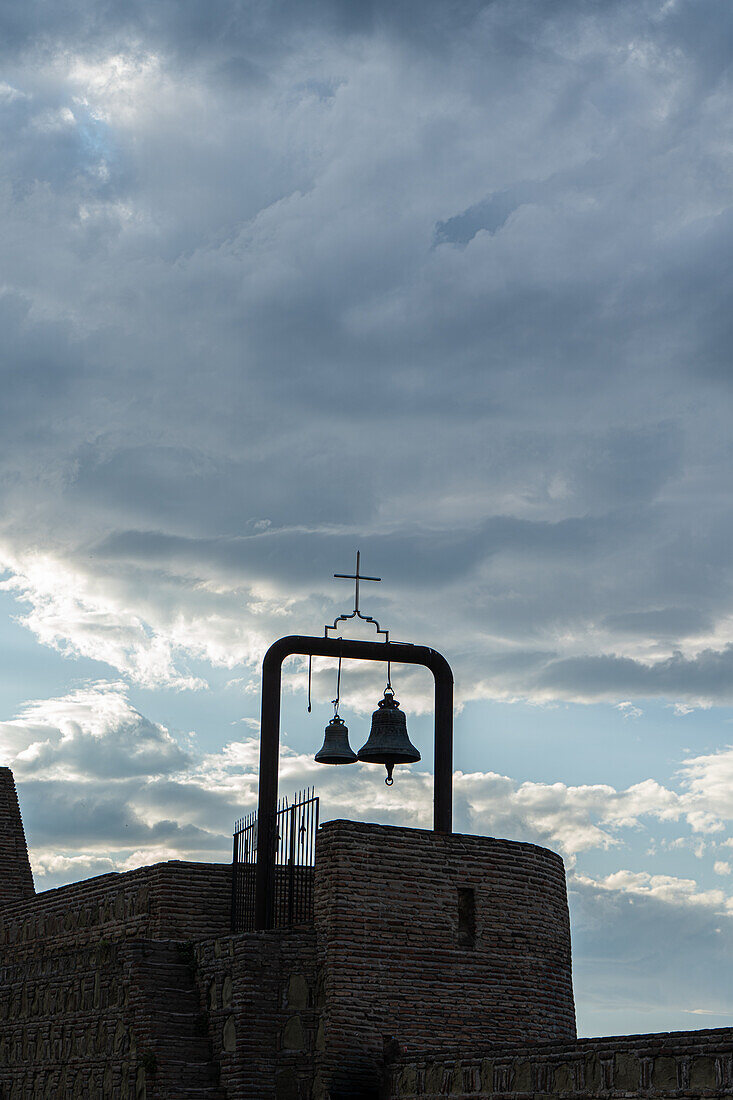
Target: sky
[(450, 284)]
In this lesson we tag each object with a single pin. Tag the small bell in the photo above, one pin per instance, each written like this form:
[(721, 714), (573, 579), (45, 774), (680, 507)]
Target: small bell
[(336, 748), (388, 742)]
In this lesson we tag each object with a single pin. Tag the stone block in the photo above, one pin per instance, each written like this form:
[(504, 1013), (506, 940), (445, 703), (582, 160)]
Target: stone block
[(293, 1037), (298, 992), (626, 1077), (702, 1073), (664, 1073)]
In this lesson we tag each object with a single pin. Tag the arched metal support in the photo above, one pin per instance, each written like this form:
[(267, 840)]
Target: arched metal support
[(397, 653)]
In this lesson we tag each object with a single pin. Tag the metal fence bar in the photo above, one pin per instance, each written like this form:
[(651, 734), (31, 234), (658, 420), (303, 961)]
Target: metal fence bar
[(295, 850)]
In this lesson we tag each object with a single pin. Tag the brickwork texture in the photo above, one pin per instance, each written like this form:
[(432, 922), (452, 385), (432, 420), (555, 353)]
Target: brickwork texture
[(436, 940), (17, 881), (676, 1064), (435, 966)]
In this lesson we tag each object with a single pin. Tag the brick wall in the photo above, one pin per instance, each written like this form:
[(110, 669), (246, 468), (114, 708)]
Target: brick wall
[(79, 1008), (75, 1018), (677, 1064), (260, 991), (173, 900), (435, 939), (64, 1029), (17, 880), (456, 947)]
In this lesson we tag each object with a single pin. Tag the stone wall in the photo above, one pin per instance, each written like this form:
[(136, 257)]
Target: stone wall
[(435, 939), (677, 1064)]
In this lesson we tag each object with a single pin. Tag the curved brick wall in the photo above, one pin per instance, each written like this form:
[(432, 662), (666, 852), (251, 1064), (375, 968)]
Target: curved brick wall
[(394, 928)]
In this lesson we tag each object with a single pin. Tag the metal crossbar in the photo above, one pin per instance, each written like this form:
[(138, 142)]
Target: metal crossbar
[(295, 856)]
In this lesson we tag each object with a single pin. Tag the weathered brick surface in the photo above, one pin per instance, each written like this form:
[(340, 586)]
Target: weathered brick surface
[(395, 961), (17, 880), (164, 1007), (173, 900), (695, 1064), (77, 1015), (260, 991), (131, 987), (63, 1031)]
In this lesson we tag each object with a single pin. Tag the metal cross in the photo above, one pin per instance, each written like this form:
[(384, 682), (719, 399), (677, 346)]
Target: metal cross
[(357, 576)]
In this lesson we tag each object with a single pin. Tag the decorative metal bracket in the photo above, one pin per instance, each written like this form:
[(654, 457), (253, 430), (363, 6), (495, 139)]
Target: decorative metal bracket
[(356, 613)]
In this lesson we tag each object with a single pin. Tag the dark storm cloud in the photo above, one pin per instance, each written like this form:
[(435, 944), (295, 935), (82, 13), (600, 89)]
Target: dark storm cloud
[(446, 282), (709, 675), (238, 30), (417, 558), (66, 818), (663, 622)]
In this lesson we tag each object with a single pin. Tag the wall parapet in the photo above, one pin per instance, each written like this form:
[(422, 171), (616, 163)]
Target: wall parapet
[(166, 901), (675, 1064)]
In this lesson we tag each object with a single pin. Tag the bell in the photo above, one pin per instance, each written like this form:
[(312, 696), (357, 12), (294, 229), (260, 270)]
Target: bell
[(336, 748), (388, 742)]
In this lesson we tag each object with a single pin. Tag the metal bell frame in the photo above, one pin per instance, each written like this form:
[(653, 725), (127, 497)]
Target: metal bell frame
[(356, 649), (386, 651)]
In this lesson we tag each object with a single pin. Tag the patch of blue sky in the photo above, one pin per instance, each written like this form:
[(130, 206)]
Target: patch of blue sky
[(214, 714), (587, 743), (32, 671), (95, 138)]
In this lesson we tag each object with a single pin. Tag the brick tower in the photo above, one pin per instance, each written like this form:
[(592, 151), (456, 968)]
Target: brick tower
[(17, 879)]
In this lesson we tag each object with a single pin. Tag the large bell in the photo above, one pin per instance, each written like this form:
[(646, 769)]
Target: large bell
[(388, 742), (336, 748)]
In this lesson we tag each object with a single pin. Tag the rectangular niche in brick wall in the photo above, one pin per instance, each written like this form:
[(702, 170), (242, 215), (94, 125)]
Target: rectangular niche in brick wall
[(466, 916)]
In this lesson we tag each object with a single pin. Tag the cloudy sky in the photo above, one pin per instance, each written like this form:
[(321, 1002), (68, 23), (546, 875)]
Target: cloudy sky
[(447, 282)]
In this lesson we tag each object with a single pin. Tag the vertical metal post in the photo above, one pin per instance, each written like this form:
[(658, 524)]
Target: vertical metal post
[(267, 804), (235, 878), (443, 751), (291, 864)]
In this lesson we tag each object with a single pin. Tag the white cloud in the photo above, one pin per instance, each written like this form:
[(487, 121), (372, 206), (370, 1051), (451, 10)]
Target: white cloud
[(708, 781), (90, 734), (666, 888), (82, 615), (629, 710), (90, 753)]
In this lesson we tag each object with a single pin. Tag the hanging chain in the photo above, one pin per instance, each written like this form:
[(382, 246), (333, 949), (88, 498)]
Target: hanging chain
[(310, 679)]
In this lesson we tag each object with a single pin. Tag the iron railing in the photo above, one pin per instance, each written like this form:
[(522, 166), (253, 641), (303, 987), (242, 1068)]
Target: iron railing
[(295, 858)]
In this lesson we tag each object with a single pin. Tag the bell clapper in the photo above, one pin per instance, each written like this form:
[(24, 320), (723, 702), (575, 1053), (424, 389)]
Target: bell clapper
[(389, 780)]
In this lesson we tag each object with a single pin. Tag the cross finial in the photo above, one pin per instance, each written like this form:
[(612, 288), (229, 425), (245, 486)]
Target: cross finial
[(356, 577)]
